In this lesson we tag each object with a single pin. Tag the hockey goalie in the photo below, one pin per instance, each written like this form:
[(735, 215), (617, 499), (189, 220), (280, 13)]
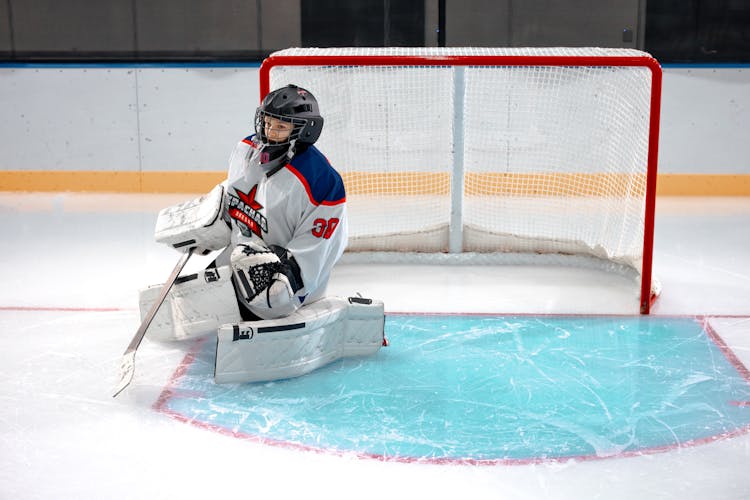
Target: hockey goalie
[(280, 222)]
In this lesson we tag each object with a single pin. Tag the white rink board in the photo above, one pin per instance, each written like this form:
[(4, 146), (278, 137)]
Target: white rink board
[(68, 119), (124, 117), (705, 116), (191, 118), (73, 118)]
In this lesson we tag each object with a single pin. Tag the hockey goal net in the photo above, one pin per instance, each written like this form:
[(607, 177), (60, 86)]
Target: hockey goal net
[(461, 151)]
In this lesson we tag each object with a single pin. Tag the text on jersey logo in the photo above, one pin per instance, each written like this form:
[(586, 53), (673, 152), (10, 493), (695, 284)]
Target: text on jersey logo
[(245, 209)]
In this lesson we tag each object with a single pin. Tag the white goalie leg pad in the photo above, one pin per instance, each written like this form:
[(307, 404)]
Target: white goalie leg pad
[(311, 337), (195, 223), (196, 305)]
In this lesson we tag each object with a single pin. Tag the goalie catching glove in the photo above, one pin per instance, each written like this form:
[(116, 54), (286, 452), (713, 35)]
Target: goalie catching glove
[(266, 279)]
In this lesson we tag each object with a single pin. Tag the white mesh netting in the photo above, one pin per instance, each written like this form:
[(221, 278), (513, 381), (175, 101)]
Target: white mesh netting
[(505, 158)]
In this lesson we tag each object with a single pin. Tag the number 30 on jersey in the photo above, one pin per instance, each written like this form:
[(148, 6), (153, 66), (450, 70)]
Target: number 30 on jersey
[(323, 228)]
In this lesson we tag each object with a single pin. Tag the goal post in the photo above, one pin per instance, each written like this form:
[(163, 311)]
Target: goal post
[(490, 151)]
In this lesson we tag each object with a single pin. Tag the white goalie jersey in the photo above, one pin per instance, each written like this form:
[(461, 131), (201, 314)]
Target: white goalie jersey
[(299, 206)]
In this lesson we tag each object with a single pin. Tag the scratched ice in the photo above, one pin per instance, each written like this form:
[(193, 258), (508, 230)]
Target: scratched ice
[(453, 388)]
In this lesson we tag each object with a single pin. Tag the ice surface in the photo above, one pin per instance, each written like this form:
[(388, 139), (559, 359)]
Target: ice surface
[(490, 390), (72, 264)]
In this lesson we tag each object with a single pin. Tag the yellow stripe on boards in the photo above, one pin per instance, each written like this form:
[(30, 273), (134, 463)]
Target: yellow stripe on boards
[(554, 185), (703, 185), (110, 182), (396, 183), (495, 184)]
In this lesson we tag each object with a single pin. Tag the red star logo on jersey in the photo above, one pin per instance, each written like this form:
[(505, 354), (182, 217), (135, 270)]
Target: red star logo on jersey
[(249, 198), (246, 210)]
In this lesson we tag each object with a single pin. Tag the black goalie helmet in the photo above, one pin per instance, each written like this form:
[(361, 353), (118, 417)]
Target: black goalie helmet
[(293, 105)]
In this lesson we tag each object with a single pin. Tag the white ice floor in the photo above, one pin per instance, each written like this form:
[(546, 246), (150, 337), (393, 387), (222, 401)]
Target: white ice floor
[(71, 266)]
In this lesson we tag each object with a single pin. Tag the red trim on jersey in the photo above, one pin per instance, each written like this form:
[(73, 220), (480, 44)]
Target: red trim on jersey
[(249, 143), (304, 182)]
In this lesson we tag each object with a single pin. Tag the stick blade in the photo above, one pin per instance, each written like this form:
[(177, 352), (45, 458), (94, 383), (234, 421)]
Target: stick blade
[(127, 365), (127, 369)]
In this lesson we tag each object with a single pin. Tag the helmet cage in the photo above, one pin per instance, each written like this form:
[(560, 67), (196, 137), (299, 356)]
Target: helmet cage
[(299, 124)]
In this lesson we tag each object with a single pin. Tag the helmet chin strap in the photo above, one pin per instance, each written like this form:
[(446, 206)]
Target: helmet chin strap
[(272, 155), (270, 151), (290, 151)]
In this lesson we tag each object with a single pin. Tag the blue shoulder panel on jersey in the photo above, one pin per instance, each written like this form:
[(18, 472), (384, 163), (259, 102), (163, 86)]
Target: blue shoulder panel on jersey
[(323, 184)]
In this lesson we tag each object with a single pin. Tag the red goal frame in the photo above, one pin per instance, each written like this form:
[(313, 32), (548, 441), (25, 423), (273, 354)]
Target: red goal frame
[(646, 296)]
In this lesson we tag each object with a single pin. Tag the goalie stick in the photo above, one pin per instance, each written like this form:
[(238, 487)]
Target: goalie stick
[(127, 365)]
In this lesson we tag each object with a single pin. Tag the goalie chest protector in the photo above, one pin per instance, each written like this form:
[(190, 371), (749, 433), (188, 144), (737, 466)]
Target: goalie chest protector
[(300, 206)]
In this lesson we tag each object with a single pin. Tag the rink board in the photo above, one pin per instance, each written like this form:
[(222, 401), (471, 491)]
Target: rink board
[(491, 389)]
